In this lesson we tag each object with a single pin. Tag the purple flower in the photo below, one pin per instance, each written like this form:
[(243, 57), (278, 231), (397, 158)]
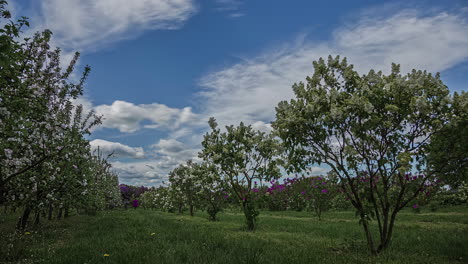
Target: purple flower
[(255, 190), (324, 191), (415, 206)]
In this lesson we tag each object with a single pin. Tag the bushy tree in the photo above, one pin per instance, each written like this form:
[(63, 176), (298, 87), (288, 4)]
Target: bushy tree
[(373, 130), (242, 155), (45, 158), (212, 191), (448, 151), (183, 182)]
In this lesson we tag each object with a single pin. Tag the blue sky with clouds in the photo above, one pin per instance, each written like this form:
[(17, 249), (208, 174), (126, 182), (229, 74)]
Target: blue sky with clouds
[(161, 68)]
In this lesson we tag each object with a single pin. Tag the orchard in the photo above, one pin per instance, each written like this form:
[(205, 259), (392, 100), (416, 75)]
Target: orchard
[(394, 145)]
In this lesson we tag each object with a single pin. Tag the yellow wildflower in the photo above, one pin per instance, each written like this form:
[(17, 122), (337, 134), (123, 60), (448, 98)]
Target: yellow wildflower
[(27, 233), (106, 255), (153, 234)]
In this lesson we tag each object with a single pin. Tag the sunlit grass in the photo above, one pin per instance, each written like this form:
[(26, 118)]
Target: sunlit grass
[(147, 236)]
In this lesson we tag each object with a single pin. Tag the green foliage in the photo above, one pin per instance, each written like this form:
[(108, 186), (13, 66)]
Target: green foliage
[(373, 130), (240, 156), (447, 154), (45, 158)]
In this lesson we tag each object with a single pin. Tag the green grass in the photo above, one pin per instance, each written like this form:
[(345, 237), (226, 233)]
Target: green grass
[(281, 237)]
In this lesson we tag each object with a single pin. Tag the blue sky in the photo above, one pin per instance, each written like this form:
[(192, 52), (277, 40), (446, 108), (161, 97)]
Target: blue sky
[(161, 68)]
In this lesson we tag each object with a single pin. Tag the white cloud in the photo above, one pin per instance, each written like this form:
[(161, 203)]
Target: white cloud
[(91, 23), (139, 172), (433, 43), (316, 171), (231, 7), (127, 117), (261, 126), (228, 5), (117, 149), (173, 150), (249, 90)]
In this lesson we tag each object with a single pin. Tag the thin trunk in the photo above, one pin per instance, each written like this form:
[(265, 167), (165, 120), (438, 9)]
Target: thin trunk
[(191, 210), (388, 237), (66, 212), (59, 215), (22, 221), (37, 218), (367, 231), (51, 210)]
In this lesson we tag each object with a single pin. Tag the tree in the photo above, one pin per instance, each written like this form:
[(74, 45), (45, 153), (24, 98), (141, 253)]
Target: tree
[(183, 182), (45, 158), (448, 151), (240, 156), (372, 130), (212, 189)]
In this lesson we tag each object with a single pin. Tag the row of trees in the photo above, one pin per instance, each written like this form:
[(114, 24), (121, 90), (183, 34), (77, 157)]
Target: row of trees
[(46, 162), (390, 141)]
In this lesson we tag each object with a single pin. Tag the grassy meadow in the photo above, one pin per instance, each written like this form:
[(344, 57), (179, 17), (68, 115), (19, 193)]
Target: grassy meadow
[(148, 236)]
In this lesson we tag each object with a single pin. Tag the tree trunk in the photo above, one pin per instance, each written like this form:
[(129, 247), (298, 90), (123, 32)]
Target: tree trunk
[(180, 208), (367, 231), (250, 215), (66, 214), (191, 210), (51, 210), (37, 218), (59, 215), (23, 220)]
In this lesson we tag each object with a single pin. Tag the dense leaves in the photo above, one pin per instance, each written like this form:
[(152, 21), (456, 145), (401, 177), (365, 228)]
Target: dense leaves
[(45, 158), (373, 130)]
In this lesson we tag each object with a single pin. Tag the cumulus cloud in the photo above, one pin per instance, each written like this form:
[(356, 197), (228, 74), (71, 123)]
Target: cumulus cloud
[(90, 23), (117, 149), (148, 173), (127, 117), (261, 126), (250, 89), (175, 151), (169, 154)]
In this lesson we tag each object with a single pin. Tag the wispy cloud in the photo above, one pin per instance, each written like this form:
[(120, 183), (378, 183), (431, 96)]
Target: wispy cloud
[(231, 7), (91, 24), (250, 89)]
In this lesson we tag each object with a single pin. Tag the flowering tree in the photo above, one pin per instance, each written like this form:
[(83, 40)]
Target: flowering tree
[(130, 193), (316, 191), (212, 189), (372, 130), (299, 193), (241, 155), (45, 159), (183, 182), (447, 154)]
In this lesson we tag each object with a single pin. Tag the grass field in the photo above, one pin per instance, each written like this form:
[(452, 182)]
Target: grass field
[(281, 237)]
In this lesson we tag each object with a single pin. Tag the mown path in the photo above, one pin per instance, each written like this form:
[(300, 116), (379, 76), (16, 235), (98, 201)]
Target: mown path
[(147, 236)]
